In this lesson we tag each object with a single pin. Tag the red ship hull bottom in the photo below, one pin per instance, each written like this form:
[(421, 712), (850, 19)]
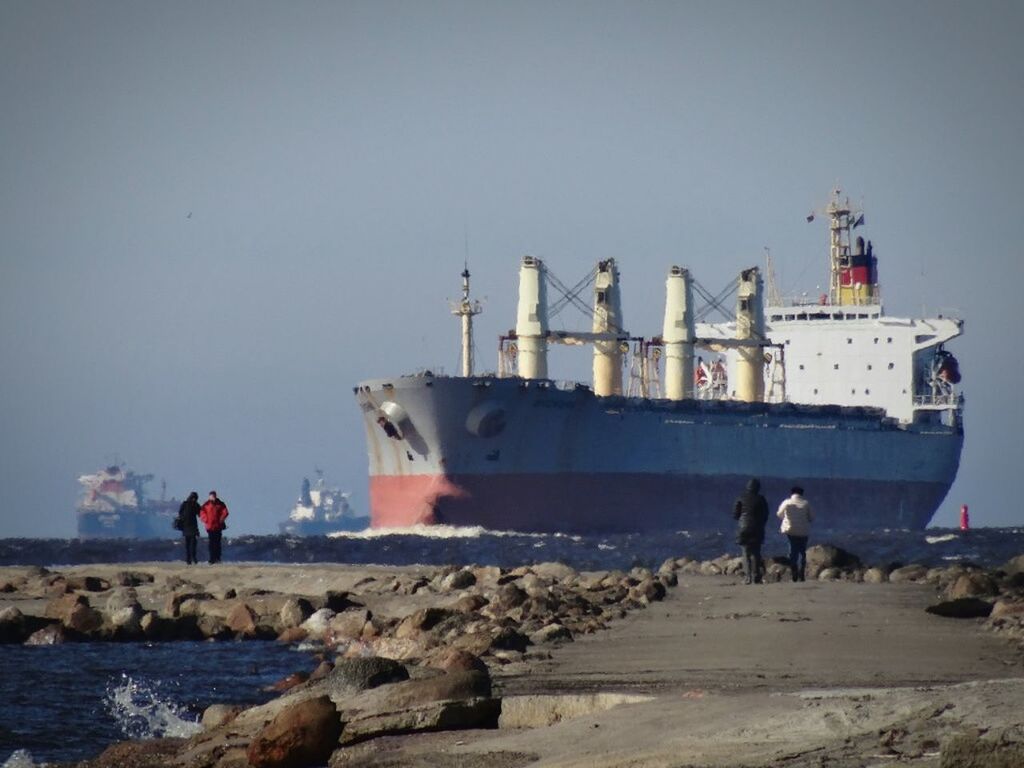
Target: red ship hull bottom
[(609, 503)]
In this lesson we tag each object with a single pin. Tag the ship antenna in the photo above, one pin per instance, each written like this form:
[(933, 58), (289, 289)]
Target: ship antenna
[(774, 299)]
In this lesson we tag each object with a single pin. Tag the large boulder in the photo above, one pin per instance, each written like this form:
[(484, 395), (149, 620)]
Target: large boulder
[(60, 607), (88, 583), (908, 574), (242, 620), (51, 634), (303, 735), (460, 579), (318, 623), (422, 620), (354, 675), (972, 584), (126, 622), (295, 611), (83, 619), (968, 750), (1014, 565), (432, 716), (823, 556)]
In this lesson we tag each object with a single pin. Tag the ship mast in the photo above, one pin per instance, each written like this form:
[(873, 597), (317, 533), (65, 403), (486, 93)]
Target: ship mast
[(842, 218), (465, 309)]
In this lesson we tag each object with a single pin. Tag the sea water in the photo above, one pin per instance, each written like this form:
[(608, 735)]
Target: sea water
[(69, 702)]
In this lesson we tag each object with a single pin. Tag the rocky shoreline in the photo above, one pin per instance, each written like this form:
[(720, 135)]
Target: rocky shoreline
[(408, 651)]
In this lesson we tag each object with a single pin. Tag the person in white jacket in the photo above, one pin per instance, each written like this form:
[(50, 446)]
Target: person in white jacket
[(796, 515)]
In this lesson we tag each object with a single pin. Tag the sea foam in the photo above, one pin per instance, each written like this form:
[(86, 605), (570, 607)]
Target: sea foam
[(142, 711)]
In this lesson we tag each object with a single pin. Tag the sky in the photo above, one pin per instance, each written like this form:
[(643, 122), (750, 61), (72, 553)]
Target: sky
[(217, 217)]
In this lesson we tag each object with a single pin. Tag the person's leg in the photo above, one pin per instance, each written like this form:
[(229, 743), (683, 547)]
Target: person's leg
[(747, 564), (794, 553), (190, 549), (758, 563), (213, 537), (801, 556)]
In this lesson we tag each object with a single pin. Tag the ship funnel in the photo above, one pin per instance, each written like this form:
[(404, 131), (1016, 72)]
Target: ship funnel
[(532, 320), (678, 334), (750, 327), (607, 319)]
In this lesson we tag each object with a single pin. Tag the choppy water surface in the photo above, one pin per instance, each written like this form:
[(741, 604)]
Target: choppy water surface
[(68, 702), (439, 545)]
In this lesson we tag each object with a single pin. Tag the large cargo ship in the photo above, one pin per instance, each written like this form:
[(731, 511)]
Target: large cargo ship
[(114, 505), (859, 408)]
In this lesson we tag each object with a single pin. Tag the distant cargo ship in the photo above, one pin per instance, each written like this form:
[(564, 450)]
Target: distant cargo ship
[(114, 505), (320, 511), (861, 409)]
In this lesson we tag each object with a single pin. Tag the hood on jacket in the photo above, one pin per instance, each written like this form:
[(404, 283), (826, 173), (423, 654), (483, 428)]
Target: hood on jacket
[(754, 485)]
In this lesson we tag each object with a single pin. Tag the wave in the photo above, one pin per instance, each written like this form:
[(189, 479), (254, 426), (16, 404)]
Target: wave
[(940, 539), (21, 758), (443, 532), (142, 711)]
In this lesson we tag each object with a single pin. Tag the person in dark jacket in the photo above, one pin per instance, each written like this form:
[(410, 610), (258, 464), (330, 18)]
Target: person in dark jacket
[(188, 524), (751, 510), (213, 514)]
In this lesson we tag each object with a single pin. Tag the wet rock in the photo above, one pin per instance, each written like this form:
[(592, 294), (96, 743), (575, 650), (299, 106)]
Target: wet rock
[(972, 584), (51, 634), (354, 675), (963, 608), (150, 753), (305, 734), (14, 627), (217, 715), (83, 619), (295, 611), (210, 627), (242, 620), (289, 682), (292, 635)]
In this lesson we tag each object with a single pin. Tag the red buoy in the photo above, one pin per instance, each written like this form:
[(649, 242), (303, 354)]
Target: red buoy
[(965, 519)]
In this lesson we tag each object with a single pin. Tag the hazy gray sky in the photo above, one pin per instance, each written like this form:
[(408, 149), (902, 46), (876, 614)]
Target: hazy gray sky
[(217, 217)]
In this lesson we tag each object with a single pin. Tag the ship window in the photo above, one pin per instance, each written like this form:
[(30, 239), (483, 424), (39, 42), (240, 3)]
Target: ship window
[(889, 340), (869, 366), (600, 297), (867, 391), (849, 341), (862, 317), (801, 316), (876, 339), (853, 391), (790, 317), (815, 391), (835, 366), (891, 366), (801, 366), (744, 303)]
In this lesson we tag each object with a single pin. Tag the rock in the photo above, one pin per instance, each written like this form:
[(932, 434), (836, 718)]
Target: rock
[(551, 633), (139, 754), (287, 683), (648, 591), (449, 686), (486, 574), (216, 715), (322, 670), (354, 675), (509, 639), (61, 607), (51, 634), (509, 596), (434, 716), (88, 583), (83, 619), (305, 734), (972, 584), (132, 578), (318, 623), (458, 580), (908, 573), (456, 660), (186, 603), (970, 751), (422, 620), (1014, 565), (339, 600), (963, 608), (13, 627), (348, 625), (126, 621), (822, 556), (828, 574), (242, 620), (292, 635), (211, 627), (875, 576), (1004, 608), (469, 603), (668, 578), (295, 611)]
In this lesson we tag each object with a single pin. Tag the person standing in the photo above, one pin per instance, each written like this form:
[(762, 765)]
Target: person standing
[(214, 513), (751, 510), (796, 515), (188, 513)]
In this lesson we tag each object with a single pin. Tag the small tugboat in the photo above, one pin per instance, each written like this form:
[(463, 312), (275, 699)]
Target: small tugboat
[(321, 511), (114, 505)]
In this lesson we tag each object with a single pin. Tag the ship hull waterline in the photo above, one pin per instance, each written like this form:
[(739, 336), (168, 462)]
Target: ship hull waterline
[(568, 461)]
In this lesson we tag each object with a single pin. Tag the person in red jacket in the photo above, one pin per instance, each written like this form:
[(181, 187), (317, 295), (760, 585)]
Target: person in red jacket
[(213, 514)]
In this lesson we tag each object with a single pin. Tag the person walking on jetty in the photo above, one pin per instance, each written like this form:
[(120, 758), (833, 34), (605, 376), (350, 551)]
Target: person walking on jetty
[(188, 524), (214, 513), (751, 510), (796, 515)]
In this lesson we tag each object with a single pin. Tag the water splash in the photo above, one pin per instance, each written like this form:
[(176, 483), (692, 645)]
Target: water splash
[(20, 758), (142, 711)]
